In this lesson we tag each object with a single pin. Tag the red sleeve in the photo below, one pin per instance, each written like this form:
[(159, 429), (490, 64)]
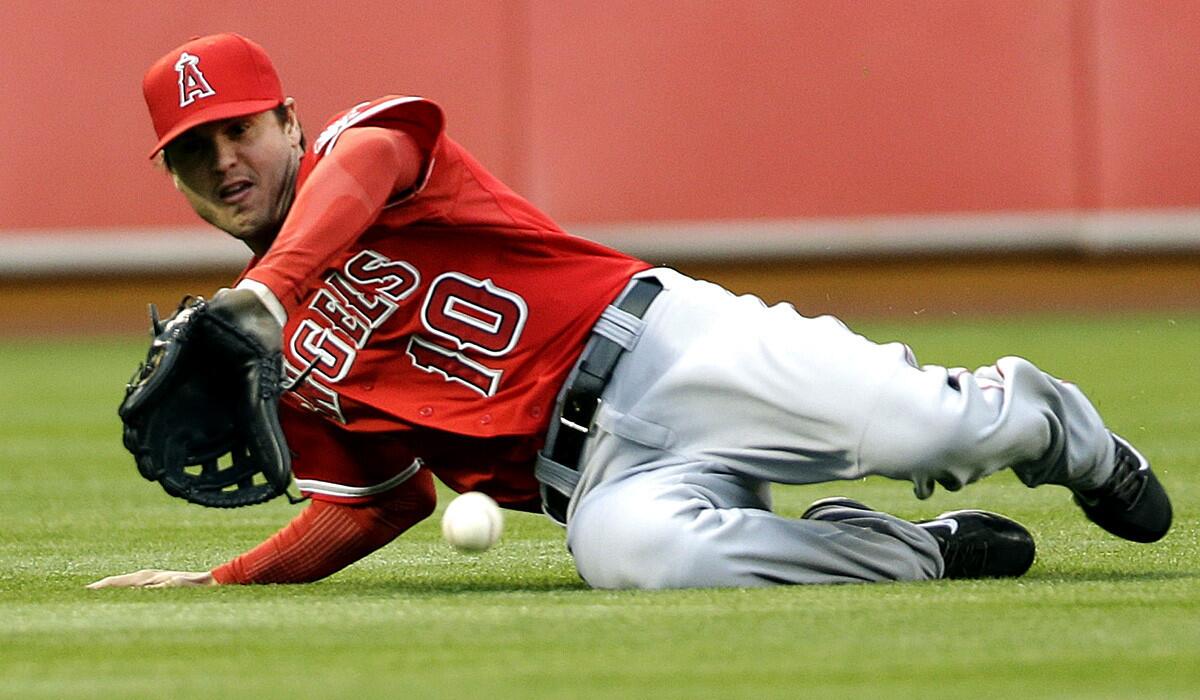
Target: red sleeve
[(345, 193), (326, 537)]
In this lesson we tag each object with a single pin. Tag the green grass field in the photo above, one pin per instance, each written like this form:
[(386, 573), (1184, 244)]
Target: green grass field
[(1095, 618)]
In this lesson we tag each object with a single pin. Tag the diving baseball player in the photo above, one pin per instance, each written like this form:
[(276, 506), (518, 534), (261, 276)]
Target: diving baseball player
[(431, 322)]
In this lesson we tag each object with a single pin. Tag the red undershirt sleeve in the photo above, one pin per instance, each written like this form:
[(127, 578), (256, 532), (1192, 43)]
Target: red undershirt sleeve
[(345, 193), (326, 537)]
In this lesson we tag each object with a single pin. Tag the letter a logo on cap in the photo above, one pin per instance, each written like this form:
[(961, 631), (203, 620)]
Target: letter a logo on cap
[(192, 85)]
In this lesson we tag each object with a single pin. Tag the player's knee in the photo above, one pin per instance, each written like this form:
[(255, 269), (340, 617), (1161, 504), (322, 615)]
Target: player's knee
[(919, 447), (634, 545), (925, 435)]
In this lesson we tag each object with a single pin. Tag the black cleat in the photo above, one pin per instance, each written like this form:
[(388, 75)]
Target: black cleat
[(1132, 504), (973, 543), (979, 544)]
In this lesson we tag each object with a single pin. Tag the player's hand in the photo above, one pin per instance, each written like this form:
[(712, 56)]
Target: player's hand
[(156, 578)]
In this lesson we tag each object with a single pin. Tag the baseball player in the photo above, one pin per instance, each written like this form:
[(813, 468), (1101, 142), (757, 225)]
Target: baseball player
[(434, 323)]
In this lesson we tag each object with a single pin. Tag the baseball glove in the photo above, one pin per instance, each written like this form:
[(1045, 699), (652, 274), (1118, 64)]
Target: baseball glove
[(208, 393)]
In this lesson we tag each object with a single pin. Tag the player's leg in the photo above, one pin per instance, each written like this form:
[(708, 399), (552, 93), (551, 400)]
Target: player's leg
[(952, 427), (688, 525), (780, 397), (683, 527)]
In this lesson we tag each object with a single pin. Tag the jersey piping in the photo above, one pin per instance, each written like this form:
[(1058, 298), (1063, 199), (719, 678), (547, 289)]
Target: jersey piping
[(329, 137), (329, 488)]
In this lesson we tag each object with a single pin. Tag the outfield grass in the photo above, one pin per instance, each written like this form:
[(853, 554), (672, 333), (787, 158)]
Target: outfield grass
[(1095, 618)]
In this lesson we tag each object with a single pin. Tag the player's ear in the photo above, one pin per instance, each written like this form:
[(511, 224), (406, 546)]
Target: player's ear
[(291, 125), (160, 159)]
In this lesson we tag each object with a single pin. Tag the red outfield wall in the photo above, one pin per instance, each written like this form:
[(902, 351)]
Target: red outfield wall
[(646, 111)]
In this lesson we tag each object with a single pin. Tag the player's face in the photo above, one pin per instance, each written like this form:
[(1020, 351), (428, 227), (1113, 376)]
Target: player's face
[(240, 174)]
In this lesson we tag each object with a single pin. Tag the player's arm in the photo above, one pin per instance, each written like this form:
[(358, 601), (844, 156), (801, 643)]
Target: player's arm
[(323, 539), (345, 193)]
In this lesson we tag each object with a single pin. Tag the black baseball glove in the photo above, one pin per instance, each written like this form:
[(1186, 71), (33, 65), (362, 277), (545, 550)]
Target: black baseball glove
[(208, 393)]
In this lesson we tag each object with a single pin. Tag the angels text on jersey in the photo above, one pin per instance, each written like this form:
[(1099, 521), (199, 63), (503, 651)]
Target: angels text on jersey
[(466, 322)]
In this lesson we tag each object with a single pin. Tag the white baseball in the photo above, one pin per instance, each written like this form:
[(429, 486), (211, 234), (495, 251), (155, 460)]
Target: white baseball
[(472, 522)]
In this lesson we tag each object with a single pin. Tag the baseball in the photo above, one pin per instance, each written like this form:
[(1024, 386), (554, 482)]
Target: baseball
[(472, 522)]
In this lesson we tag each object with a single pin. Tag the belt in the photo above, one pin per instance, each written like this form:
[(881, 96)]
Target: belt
[(616, 331)]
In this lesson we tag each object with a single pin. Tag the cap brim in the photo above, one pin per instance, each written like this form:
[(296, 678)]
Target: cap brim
[(227, 110)]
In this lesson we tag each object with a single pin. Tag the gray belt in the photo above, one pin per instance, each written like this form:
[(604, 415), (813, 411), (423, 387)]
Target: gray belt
[(615, 332)]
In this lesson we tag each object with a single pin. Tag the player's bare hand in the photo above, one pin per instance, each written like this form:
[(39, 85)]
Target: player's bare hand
[(156, 578)]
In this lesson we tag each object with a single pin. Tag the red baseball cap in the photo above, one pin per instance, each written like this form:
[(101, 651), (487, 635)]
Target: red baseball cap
[(209, 78)]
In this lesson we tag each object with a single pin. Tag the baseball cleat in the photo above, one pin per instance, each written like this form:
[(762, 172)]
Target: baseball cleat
[(1132, 504), (979, 544), (973, 543)]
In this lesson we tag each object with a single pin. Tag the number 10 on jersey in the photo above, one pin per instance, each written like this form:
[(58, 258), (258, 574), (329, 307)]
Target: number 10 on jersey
[(467, 316)]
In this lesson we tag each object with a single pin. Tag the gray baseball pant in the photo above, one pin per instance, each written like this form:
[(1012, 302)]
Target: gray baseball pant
[(722, 395)]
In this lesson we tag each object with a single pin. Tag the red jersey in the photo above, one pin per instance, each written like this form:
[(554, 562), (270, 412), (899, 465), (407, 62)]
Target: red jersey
[(443, 332)]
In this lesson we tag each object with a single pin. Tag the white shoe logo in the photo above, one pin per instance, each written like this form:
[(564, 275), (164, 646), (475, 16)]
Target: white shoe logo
[(952, 524)]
